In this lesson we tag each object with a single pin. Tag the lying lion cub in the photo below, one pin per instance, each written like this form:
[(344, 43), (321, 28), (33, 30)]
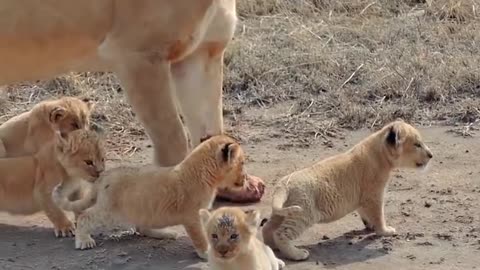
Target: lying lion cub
[(25, 133), (233, 243), (336, 186), (26, 183), (152, 197)]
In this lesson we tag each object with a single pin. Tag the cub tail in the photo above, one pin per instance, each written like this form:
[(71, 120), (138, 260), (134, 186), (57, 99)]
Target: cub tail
[(74, 206), (280, 196)]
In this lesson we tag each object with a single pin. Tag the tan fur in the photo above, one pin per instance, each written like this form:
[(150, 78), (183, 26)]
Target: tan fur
[(336, 186), (26, 183), (165, 53), (233, 244), (152, 197), (24, 134)]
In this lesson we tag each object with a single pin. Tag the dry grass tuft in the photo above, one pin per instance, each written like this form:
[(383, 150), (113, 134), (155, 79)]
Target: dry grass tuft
[(329, 64), (453, 10)]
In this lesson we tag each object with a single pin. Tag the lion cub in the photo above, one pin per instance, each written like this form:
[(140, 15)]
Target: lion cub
[(25, 133), (152, 197), (26, 182), (233, 243), (336, 186)]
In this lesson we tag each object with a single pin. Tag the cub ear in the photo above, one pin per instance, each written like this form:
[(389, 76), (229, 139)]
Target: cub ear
[(252, 218), (204, 215), (394, 137), (90, 103), (229, 151), (61, 140), (398, 119), (57, 114)]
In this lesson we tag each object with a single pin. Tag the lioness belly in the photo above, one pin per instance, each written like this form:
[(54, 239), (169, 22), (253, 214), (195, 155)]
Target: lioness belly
[(28, 59), (40, 39)]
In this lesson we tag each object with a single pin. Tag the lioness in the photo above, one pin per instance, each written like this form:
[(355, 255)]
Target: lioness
[(152, 197), (233, 242), (27, 182), (167, 55), (26, 133), (336, 186)]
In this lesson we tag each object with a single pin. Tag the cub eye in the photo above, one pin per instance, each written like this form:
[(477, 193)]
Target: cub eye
[(75, 125), (418, 145), (214, 236), (234, 236), (89, 162)]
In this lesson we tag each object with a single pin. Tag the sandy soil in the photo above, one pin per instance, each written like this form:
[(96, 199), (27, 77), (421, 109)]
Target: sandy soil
[(436, 214)]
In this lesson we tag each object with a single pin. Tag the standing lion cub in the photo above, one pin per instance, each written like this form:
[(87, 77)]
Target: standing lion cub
[(25, 133), (336, 186), (27, 182), (153, 197), (233, 243)]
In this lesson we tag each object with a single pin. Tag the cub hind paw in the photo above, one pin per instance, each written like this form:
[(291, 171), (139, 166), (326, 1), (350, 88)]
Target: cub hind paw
[(387, 231)]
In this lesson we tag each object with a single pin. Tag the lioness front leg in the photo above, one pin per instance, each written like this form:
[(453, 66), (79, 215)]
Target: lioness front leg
[(372, 211), (198, 81), (199, 239), (149, 86), (62, 225)]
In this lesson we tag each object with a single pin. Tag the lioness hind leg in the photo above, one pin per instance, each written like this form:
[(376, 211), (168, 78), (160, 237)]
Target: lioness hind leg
[(269, 228), (373, 212), (290, 229), (158, 233)]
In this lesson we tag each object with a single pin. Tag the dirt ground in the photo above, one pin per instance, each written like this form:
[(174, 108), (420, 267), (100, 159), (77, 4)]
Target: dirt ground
[(435, 213), (305, 79)]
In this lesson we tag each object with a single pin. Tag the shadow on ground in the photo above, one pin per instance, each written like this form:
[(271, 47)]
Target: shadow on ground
[(37, 248)]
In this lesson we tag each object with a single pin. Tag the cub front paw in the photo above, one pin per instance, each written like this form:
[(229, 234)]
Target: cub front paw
[(64, 230), (202, 254), (85, 242)]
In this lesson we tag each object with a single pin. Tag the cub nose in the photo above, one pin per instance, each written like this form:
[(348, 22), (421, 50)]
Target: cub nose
[(96, 173), (222, 250), (429, 154)]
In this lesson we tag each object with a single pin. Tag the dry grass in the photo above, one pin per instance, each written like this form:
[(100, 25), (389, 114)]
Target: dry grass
[(335, 64), (362, 62)]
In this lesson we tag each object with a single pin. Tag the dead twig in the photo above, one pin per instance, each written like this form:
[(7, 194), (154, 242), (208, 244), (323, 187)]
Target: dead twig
[(349, 78)]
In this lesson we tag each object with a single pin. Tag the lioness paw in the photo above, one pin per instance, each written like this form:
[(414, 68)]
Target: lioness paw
[(85, 243), (387, 231)]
